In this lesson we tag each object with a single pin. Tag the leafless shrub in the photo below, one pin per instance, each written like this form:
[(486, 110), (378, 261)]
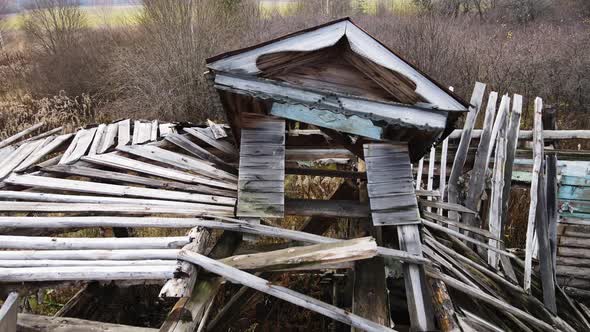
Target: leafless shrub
[(55, 25)]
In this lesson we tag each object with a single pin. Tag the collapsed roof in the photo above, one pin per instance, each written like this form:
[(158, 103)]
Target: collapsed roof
[(336, 76)]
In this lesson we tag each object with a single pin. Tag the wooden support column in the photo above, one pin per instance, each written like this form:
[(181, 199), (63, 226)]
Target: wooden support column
[(549, 122), (538, 219), (8, 313), (393, 202), (477, 180), (369, 294), (461, 154), (261, 184), (511, 145)]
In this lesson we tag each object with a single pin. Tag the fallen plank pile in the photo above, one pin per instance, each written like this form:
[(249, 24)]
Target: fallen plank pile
[(186, 178)]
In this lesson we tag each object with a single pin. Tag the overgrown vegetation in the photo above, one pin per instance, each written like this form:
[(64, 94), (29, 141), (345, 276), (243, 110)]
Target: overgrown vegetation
[(154, 67)]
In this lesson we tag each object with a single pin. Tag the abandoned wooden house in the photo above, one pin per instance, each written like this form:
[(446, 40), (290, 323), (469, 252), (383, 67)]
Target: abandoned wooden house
[(415, 257)]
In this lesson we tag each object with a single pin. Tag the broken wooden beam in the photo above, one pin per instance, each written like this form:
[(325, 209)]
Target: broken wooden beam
[(38, 323), (240, 277)]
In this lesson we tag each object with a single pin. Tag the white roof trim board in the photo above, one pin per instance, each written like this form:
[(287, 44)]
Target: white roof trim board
[(360, 42)]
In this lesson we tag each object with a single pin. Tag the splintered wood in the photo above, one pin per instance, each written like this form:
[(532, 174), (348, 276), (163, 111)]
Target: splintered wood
[(261, 190)]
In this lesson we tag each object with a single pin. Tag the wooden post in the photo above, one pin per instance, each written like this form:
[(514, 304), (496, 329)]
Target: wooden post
[(403, 213), (442, 188), (430, 183), (545, 255), (461, 154), (511, 145), (549, 122), (538, 218), (419, 174), (477, 180), (369, 295), (8, 313), (495, 216)]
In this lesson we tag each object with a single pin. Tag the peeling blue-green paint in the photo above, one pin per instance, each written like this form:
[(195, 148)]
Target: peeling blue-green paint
[(328, 119)]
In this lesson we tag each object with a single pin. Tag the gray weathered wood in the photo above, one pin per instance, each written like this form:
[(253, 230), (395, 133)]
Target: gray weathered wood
[(45, 149), (511, 145), (262, 156), (534, 192), (8, 313), (79, 146), (124, 132), (230, 225), (98, 140), (109, 138), (37, 323), (476, 293), (134, 209), (70, 262), (17, 157), (194, 149), (477, 180), (182, 285), (391, 203), (499, 123), (104, 175), (120, 162), (461, 155), (178, 160), (222, 146), (114, 190), (71, 243), (90, 272), (236, 276)]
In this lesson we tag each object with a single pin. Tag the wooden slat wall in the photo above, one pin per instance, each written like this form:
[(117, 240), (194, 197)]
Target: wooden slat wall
[(573, 230), (261, 188), (390, 183)]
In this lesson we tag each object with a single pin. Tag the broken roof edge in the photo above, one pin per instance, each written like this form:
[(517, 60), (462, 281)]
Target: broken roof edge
[(427, 87)]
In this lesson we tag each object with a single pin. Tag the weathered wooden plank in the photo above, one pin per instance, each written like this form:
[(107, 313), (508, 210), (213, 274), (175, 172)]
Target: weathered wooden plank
[(178, 160), (511, 145), (221, 145), (109, 138), (118, 161), (476, 293), (33, 274), (419, 172), (325, 208), (267, 135), (110, 176), (442, 188), (114, 190), (431, 163), (17, 157), (124, 132), (478, 177), (167, 128), (499, 123), (8, 313), (154, 131), (439, 218), (132, 209), (71, 243), (183, 284), (237, 276), (537, 169), (101, 262), (446, 206), (229, 224), (142, 132), (79, 146), (194, 149), (45, 149), (14, 138), (398, 205), (562, 134), (461, 155), (98, 140), (496, 202), (38, 323)]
